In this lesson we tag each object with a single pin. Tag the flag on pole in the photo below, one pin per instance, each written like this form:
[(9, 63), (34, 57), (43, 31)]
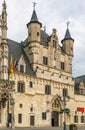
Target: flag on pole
[(11, 67)]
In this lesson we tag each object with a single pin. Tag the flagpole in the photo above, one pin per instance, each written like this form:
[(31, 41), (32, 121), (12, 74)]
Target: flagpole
[(12, 99), (11, 73)]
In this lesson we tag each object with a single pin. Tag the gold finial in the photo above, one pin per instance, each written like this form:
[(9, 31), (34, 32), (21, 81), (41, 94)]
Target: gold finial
[(34, 5), (68, 24)]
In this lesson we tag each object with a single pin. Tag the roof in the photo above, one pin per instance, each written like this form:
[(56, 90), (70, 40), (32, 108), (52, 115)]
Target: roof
[(67, 36), (43, 39), (34, 19), (78, 80), (16, 50)]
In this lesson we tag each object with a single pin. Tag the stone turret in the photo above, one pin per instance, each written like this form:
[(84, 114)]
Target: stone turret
[(68, 42), (34, 37), (34, 28)]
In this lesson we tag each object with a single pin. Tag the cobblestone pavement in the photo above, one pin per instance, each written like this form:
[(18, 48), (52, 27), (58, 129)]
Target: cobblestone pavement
[(41, 128)]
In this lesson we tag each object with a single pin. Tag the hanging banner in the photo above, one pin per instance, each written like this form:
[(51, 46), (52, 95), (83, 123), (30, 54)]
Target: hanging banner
[(80, 109)]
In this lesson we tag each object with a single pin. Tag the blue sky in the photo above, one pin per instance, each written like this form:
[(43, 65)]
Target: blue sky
[(52, 14)]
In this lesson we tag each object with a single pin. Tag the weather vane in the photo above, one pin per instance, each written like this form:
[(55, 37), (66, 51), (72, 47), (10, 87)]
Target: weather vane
[(34, 5), (68, 24)]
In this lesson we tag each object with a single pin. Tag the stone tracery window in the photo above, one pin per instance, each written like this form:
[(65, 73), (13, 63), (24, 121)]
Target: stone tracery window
[(55, 104)]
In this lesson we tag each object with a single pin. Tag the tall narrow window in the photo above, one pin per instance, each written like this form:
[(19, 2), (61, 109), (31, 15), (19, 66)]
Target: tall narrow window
[(10, 118), (75, 119), (65, 92), (82, 119), (21, 88), (54, 44), (43, 115), (21, 68), (62, 66), (48, 89), (45, 60), (30, 84), (19, 118)]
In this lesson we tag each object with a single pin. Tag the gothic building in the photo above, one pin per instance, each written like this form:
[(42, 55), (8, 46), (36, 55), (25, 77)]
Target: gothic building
[(42, 74)]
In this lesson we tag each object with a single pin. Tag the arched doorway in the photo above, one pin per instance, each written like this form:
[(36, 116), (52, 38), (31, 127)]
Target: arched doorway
[(55, 116)]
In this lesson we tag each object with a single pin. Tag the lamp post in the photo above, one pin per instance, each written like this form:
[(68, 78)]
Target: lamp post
[(64, 100), (13, 121)]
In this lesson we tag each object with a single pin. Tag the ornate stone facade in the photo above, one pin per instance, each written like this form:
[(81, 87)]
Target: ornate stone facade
[(42, 73)]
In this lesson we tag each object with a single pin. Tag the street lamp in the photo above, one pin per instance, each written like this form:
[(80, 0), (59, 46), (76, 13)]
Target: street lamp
[(64, 100), (13, 121)]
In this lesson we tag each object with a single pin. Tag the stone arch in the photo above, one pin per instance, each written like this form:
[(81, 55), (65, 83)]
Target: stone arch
[(56, 106), (56, 98)]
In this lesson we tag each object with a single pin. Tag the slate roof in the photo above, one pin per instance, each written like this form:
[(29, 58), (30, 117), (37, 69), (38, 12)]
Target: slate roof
[(16, 50), (67, 35), (78, 80), (43, 39), (34, 18)]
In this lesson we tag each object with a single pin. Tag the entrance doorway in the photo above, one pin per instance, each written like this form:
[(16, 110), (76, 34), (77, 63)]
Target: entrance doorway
[(55, 119), (32, 120)]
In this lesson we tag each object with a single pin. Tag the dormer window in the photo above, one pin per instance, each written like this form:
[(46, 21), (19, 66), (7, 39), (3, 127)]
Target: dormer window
[(21, 68)]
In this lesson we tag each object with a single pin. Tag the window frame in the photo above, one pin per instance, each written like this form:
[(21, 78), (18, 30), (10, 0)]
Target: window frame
[(62, 66), (21, 87), (75, 118), (48, 89), (44, 116), (65, 92), (21, 68), (20, 118), (45, 60)]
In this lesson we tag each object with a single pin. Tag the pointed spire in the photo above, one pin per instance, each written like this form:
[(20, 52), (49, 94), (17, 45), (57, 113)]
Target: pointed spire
[(67, 34), (34, 15), (34, 18)]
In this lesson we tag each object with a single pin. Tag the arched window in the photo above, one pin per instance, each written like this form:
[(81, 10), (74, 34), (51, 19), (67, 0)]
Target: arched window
[(75, 119), (82, 119)]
